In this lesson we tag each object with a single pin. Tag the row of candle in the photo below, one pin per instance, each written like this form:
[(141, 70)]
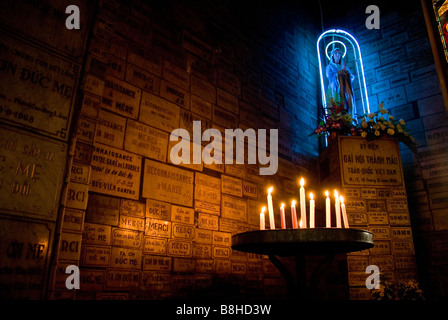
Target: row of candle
[(339, 208)]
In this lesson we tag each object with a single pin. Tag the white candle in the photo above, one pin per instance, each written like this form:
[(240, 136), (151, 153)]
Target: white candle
[(337, 207), (282, 216), (294, 214), (271, 209), (262, 219), (328, 209), (302, 204), (344, 212), (311, 210)]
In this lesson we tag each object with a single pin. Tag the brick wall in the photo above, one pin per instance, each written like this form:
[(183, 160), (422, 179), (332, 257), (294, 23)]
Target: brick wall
[(150, 70)]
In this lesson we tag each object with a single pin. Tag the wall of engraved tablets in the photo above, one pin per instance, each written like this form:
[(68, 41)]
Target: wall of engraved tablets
[(370, 176), (400, 72), (153, 229), (111, 201), (40, 67)]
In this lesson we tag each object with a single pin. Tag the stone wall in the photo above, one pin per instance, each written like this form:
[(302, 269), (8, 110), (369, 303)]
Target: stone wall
[(106, 98)]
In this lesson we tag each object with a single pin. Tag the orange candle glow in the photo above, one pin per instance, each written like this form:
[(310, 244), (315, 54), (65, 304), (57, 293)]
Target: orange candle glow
[(294, 214), (282, 216)]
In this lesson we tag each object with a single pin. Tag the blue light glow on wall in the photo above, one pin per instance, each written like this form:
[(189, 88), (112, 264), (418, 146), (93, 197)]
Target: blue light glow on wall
[(351, 53)]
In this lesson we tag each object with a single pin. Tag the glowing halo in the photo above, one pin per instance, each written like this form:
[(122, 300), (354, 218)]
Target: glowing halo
[(336, 41)]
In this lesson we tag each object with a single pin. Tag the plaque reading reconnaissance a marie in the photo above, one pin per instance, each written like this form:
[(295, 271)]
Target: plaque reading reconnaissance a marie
[(31, 173), (36, 88), (167, 183)]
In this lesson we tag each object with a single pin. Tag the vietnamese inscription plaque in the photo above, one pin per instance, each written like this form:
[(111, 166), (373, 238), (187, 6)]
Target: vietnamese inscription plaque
[(127, 238), (132, 208), (96, 234), (158, 209), (126, 258), (115, 172), (370, 163), (36, 88), (31, 171), (24, 256)]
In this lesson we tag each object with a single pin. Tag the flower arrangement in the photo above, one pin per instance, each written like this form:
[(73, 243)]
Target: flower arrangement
[(406, 291), (337, 121), (372, 126), (410, 291), (385, 292)]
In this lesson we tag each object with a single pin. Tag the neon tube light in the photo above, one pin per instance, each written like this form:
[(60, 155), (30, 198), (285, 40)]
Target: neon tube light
[(360, 69)]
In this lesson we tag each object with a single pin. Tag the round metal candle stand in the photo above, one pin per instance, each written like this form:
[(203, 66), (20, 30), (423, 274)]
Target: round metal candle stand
[(300, 243)]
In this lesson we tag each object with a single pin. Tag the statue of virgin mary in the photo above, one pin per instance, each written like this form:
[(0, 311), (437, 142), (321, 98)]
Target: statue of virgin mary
[(340, 80)]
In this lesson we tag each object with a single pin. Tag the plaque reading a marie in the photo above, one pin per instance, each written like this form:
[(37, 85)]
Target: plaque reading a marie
[(167, 183), (370, 163), (115, 172), (31, 172), (36, 88)]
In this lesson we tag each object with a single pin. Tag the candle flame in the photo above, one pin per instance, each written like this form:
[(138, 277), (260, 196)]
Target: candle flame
[(293, 202), (327, 193), (311, 196), (282, 205), (302, 182), (270, 190), (341, 198), (336, 194), (263, 209)]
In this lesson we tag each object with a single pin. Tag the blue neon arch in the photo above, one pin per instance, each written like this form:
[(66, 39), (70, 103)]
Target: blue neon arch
[(349, 43)]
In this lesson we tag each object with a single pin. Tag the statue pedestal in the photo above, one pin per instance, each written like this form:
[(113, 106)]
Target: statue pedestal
[(369, 175)]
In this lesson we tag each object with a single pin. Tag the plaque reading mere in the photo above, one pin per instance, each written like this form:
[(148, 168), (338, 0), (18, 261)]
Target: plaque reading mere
[(31, 172), (370, 163)]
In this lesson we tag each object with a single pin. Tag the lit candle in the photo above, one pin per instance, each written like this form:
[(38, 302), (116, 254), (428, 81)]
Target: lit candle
[(344, 213), (294, 214), (262, 224), (271, 209), (327, 209), (282, 216), (337, 206), (311, 210), (302, 204)]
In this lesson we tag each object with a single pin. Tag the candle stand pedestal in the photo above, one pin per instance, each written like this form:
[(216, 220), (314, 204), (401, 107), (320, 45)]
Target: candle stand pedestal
[(299, 243)]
